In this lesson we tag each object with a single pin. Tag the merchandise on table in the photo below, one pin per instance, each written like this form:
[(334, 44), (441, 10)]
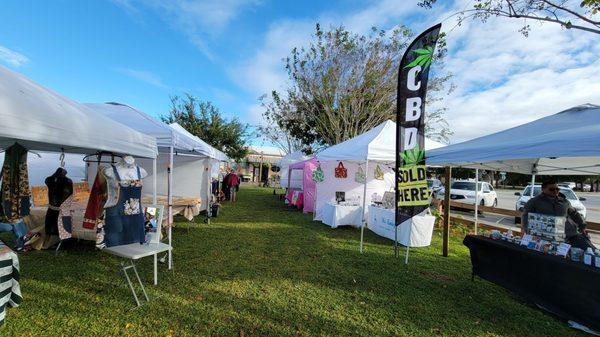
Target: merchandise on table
[(551, 247), (546, 226)]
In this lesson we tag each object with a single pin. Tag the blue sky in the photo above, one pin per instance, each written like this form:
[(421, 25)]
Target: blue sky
[(140, 52)]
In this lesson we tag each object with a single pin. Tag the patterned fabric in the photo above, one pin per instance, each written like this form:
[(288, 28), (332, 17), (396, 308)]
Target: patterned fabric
[(14, 193), (96, 201), (65, 219), (318, 176), (10, 290), (124, 222)]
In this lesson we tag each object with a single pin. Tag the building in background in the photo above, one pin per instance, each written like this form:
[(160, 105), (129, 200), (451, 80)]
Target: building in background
[(260, 165)]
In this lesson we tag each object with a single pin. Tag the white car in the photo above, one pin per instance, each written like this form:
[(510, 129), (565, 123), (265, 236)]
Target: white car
[(434, 185), (567, 192), (464, 191)]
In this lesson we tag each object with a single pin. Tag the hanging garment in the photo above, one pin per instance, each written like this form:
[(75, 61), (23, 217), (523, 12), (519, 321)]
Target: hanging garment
[(124, 222), (65, 219), (378, 173), (318, 176), (14, 194), (359, 177), (59, 189), (341, 172), (96, 201)]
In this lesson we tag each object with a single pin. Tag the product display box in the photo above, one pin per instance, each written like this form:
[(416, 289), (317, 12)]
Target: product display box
[(546, 226)]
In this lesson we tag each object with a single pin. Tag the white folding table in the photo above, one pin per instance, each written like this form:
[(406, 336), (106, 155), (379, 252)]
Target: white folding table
[(136, 251), (335, 215)]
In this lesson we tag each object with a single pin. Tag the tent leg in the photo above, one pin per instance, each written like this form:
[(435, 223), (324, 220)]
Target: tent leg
[(476, 199), (154, 181), (396, 241), (364, 205), (446, 231), (406, 258), (170, 201)]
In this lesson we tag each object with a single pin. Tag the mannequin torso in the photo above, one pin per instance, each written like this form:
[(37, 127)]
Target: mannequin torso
[(127, 170)]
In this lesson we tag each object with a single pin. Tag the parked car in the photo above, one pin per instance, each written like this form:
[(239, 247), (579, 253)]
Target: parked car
[(464, 191), (434, 185), (568, 184), (569, 194)]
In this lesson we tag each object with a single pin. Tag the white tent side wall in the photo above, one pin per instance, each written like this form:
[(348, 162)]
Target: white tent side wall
[(190, 178), (326, 190)]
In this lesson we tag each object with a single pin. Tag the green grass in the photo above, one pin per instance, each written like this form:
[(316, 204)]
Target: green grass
[(261, 269)]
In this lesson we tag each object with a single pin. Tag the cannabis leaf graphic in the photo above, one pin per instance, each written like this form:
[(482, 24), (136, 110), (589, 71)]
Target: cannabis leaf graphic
[(412, 157), (424, 59)]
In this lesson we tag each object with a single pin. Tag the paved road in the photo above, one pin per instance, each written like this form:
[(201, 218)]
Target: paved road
[(507, 200)]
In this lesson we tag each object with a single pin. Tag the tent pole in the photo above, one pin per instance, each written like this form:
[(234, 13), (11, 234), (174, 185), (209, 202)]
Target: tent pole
[(154, 181), (170, 204), (396, 241), (476, 199), (208, 189), (362, 227), (446, 231), (154, 203)]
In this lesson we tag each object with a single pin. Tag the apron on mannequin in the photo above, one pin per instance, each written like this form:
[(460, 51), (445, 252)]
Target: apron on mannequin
[(124, 222)]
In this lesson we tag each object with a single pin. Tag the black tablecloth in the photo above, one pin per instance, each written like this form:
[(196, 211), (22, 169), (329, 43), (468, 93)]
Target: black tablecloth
[(570, 290)]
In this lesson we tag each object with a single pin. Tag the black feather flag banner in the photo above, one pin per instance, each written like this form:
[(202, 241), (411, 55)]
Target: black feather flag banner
[(412, 192)]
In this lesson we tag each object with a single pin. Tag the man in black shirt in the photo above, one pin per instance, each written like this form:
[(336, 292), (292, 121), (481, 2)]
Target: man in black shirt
[(552, 202)]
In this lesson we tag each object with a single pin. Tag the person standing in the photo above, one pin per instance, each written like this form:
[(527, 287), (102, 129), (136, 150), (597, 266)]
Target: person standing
[(551, 202), (234, 183)]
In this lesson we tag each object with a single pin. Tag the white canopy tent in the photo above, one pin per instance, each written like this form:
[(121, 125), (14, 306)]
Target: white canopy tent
[(183, 162), (42, 120), (292, 178), (376, 146), (565, 143)]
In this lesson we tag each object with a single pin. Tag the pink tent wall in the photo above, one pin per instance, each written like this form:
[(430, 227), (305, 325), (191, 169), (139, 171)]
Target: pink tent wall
[(308, 185)]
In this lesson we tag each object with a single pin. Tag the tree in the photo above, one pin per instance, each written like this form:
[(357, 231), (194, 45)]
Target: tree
[(273, 131), (561, 12), (343, 84), (204, 120)]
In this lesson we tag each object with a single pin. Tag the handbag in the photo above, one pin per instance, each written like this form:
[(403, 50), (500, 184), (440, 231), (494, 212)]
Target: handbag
[(317, 175), (341, 172), (378, 173), (359, 177)]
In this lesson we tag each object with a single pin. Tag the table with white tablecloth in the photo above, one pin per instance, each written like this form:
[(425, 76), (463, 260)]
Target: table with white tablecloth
[(335, 215), (415, 232)]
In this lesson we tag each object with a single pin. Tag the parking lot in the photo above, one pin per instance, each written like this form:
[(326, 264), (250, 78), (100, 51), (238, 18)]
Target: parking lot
[(507, 200)]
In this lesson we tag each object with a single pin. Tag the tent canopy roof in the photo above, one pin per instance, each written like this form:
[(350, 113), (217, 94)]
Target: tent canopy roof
[(565, 143), (200, 146), (378, 144), (140, 121), (42, 120), (301, 164), (293, 157)]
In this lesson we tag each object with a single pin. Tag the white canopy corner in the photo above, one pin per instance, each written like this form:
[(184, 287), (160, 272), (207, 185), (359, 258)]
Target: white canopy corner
[(200, 145), (565, 143), (377, 144), (42, 120)]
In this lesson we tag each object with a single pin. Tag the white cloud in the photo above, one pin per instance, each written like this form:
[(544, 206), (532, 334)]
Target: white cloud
[(197, 19), (265, 71), (505, 79), (12, 57), (144, 76)]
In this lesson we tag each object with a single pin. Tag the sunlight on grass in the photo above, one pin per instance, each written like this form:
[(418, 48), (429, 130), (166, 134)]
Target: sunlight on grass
[(263, 269)]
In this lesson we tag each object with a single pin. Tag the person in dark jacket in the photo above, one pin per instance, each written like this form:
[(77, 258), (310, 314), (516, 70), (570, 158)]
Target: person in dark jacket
[(551, 202)]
